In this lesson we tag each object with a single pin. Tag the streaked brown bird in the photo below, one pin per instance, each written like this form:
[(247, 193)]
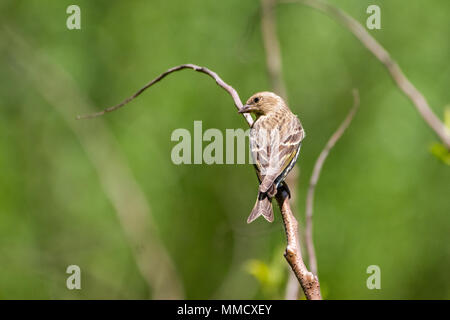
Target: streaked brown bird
[(275, 140)]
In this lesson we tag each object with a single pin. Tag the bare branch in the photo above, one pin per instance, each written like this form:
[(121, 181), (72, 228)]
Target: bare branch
[(308, 281), (315, 177), (219, 81), (383, 56)]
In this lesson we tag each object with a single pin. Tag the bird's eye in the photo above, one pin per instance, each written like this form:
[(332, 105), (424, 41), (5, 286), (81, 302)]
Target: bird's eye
[(256, 100)]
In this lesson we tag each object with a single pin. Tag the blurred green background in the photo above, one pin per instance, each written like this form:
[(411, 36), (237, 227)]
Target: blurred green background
[(383, 198)]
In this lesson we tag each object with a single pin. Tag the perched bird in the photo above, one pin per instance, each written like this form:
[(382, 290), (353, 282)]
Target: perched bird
[(275, 140)]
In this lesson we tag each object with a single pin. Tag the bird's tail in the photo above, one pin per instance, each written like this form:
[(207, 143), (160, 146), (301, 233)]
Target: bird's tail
[(263, 207)]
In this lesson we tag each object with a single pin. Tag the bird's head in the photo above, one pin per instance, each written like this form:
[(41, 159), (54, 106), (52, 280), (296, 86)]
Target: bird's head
[(262, 103)]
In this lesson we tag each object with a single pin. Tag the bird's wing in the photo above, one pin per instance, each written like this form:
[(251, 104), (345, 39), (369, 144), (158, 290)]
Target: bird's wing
[(273, 151)]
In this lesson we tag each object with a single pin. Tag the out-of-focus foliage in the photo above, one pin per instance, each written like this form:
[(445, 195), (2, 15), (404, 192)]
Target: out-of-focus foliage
[(438, 149), (382, 198), (447, 117), (441, 152), (270, 277)]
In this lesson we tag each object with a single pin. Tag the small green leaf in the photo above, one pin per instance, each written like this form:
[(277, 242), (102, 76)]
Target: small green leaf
[(441, 152), (259, 270), (447, 116), (270, 276)]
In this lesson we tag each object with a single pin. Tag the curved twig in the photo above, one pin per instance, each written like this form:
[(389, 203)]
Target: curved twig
[(391, 65), (315, 177), (215, 76)]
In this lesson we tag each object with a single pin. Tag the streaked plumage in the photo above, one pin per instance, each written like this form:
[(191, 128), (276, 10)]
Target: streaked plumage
[(275, 140)]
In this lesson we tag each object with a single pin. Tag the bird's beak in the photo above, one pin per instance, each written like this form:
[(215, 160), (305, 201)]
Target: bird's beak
[(246, 109)]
